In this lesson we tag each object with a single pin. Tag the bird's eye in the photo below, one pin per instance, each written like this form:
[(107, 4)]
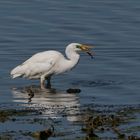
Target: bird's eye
[(78, 46)]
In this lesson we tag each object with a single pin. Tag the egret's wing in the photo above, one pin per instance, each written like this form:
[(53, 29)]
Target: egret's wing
[(41, 57), (37, 65), (37, 69), (34, 69)]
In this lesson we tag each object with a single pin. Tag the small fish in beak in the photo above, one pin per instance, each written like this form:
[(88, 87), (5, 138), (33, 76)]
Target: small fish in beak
[(88, 50)]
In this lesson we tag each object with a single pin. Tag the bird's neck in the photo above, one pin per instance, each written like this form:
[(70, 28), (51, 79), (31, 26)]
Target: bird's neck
[(72, 58)]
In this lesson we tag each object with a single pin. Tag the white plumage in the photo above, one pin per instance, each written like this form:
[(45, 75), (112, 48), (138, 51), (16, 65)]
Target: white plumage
[(45, 64)]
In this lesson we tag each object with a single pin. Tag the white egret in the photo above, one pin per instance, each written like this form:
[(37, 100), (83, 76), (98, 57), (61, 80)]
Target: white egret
[(45, 64)]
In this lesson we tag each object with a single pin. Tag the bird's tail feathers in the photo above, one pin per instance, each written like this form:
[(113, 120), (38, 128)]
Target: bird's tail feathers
[(18, 71), (16, 75)]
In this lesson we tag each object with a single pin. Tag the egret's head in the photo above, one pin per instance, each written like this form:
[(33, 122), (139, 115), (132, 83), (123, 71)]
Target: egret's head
[(84, 48)]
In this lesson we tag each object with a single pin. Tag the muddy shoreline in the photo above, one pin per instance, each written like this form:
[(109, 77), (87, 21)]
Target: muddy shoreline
[(94, 122)]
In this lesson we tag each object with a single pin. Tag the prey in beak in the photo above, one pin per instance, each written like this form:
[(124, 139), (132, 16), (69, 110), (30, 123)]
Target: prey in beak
[(87, 49)]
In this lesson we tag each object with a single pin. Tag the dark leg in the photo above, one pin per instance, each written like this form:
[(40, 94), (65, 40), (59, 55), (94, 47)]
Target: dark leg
[(49, 82)]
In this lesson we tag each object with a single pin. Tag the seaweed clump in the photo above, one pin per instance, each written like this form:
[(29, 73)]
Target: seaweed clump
[(44, 135), (100, 123), (9, 113)]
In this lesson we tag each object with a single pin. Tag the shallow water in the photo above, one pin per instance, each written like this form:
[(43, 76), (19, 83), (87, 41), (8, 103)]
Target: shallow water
[(112, 78)]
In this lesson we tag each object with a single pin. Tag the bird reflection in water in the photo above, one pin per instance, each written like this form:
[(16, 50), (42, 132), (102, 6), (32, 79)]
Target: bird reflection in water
[(57, 102), (32, 90)]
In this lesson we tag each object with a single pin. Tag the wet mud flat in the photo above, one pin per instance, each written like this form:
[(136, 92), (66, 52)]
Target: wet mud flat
[(88, 122)]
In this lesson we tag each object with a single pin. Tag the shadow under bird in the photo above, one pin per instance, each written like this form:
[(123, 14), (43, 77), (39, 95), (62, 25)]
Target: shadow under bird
[(45, 64)]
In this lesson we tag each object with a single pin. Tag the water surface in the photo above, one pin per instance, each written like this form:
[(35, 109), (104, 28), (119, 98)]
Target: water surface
[(28, 27)]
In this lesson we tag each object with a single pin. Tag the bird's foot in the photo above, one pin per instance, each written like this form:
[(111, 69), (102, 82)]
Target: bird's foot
[(43, 86), (48, 86)]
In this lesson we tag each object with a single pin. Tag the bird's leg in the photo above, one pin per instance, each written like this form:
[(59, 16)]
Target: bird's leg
[(49, 82), (42, 83)]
